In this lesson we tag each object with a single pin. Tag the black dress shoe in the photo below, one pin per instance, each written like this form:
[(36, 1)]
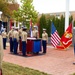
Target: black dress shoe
[(74, 63), (24, 55), (44, 52)]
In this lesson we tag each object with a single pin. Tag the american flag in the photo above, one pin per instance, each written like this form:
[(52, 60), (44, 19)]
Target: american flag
[(31, 28), (55, 38)]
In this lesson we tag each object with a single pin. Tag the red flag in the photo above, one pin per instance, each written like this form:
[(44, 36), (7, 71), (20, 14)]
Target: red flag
[(66, 39), (10, 24)]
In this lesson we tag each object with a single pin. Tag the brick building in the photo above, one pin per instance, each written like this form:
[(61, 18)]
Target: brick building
[(13, 5), (59, 14)]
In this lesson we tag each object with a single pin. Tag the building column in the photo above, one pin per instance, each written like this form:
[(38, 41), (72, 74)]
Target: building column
[(18, 24), (14, 23)]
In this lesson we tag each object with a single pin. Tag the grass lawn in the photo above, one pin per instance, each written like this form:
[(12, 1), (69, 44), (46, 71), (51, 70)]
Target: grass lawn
[(72, 74), (12, 69)]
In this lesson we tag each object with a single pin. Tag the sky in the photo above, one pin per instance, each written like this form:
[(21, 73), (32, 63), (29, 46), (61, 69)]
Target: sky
[(52, 6)]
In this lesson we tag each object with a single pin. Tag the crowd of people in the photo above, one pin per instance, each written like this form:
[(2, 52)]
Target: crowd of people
[(18, 39)]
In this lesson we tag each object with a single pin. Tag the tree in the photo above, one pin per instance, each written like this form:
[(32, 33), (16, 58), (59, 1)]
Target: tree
[(70, 19), (43, 24), (74, 23), (26, 11), (49, 27), (4, 8), (62, 25)]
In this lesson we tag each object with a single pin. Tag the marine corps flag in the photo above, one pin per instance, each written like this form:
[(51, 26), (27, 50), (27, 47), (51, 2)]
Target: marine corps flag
[(66, 39)]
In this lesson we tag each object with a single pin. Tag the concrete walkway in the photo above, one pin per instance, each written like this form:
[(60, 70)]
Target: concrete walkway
[(55, 62)]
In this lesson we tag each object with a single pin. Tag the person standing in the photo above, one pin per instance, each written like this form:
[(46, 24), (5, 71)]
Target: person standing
[(24, 41), (10, 36), (1, 53), (44, 40), (20, 39), (35, 32), (1, 50), (15, 40), (4, 36)]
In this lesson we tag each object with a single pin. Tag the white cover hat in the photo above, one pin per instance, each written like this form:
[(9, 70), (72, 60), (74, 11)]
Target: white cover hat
[(44, 29)]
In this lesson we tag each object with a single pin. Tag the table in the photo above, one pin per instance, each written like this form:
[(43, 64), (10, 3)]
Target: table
[(33, 45)]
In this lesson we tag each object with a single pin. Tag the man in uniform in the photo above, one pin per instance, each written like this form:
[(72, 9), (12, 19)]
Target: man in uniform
[(10, 36), (1, 50), (20, 39), (24, 41), (44, 40), (35, 32), (1, 53), (15, 40), (4, 36)]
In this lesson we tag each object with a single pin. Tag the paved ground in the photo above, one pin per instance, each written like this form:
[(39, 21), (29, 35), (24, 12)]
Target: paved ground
[(55, 62)]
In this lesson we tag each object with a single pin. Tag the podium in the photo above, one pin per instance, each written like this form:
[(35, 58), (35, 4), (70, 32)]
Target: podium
[(33, 45)]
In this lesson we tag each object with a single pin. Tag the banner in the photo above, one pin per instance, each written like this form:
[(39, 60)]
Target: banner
[(55, 38), (66, 39)]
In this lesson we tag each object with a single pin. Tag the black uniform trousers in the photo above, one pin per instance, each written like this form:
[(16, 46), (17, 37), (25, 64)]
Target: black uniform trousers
[(44, 44), (24, 48), (11, 44), (4, 43), (15, 45)]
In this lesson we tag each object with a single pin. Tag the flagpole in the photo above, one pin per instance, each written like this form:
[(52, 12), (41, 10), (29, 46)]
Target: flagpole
[(67, 15), (74, 52), (73, 39)]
